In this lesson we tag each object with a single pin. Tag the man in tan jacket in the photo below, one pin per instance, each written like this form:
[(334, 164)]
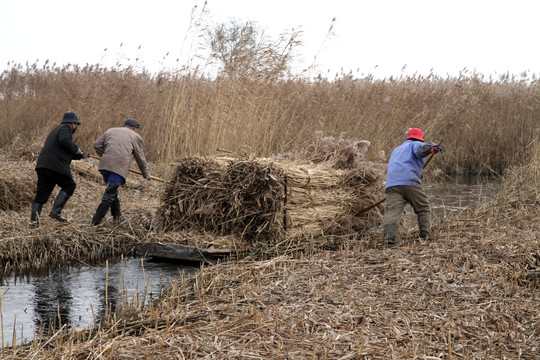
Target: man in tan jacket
[(117, 148)]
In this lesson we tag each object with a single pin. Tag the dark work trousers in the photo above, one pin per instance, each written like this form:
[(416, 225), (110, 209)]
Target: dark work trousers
[(47, 180), (396, 199)]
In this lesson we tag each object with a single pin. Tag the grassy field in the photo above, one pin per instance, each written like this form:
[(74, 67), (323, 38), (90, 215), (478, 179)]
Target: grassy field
[(471, 295)]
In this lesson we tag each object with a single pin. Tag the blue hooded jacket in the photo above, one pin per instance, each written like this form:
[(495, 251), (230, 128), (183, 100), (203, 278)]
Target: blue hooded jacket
[(406, 163)]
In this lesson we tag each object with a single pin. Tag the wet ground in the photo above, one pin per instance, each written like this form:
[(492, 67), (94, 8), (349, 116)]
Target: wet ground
[(457, 195), (80, 296)]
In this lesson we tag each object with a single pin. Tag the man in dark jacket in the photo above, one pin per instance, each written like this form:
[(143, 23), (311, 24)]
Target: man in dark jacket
[(404, 185), (53, 168), (117, 148)]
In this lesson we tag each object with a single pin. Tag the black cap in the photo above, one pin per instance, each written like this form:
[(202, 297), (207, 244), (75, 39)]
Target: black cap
[(132, 123), (70, 117)]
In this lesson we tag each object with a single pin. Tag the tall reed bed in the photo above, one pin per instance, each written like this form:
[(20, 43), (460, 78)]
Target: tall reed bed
[(485, 124), (518, 196)]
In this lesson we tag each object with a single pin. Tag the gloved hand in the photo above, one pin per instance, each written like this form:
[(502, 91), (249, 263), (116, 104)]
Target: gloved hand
[(147, 176), (436, 149), (81, 155)]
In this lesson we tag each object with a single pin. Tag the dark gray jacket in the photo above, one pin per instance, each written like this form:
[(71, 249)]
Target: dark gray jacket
[(58, 151)]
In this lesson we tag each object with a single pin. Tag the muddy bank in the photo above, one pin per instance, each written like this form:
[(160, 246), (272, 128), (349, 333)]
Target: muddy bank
[(54, 245)]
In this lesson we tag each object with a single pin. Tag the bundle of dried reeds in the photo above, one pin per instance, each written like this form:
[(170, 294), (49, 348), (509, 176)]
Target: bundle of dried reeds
[(265, 199), (342, 153), (325, 200), (243, 197)]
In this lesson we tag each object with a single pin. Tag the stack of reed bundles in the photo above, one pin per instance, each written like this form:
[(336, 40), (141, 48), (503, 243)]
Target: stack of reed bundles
[(267, 199), (222, 197), (324, 200)]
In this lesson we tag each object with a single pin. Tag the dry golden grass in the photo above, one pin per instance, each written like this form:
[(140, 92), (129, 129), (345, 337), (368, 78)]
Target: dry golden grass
[(520, 184), (17, 184), (486, 124), (471, 295), (458, 298)]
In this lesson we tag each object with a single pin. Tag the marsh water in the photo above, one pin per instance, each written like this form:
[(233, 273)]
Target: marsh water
[(80, 296), (456, 195)]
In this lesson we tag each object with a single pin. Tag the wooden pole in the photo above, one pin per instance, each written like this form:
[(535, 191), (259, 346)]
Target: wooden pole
[(372, 206), (133, 171)]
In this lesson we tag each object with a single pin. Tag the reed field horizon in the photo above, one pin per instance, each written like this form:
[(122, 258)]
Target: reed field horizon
[(485, 125)]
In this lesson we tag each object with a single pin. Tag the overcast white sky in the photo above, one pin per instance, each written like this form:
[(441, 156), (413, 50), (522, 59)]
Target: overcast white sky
[(376, 37)]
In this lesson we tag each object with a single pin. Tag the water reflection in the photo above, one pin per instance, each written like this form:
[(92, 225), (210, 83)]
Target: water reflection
[(456, 195), (80, 297), (52, 296)]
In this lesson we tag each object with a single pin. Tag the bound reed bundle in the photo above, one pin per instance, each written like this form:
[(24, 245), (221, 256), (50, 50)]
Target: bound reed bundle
[(244, 197), (263, 199)]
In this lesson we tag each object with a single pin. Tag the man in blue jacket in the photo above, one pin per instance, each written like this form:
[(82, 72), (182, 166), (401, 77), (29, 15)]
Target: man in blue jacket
[(404, 185), (53, 168)]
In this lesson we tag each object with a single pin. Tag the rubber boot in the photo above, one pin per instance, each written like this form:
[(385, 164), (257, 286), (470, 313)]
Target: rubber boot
[(101, 211), (116, 211), (58, 205), (36, 213), (111, 193), (390, 241), (425, 236)]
